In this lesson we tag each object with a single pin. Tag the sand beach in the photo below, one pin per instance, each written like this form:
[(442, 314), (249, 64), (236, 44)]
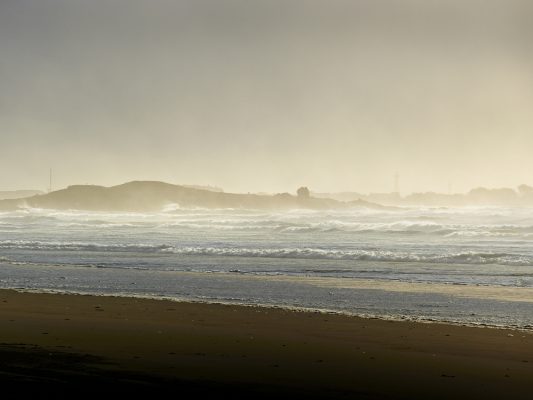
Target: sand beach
[(59, 341)]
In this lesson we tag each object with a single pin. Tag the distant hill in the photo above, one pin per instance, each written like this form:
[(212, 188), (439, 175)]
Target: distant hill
[(522, 196), (17, 194), (154, 196)]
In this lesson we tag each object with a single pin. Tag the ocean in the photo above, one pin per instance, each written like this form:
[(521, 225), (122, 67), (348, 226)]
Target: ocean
[(469, 265)]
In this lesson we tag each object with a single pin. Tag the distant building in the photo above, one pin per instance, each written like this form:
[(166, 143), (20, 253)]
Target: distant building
[(303, 192)]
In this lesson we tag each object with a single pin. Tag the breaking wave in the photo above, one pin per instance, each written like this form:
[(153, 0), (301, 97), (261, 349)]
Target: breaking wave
[(471, 257), (362, 255), (78, 246), (449, 224)]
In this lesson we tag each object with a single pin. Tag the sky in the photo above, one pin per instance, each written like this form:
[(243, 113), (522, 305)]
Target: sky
[(267, 95)]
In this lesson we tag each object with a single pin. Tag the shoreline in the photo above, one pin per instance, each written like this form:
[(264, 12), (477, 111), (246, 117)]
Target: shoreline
[(131, 344), (382, 317)]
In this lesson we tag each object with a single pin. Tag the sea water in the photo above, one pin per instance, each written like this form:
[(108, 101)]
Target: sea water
[(471, 265)]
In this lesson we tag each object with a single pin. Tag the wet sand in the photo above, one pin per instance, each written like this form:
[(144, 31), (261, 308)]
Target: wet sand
[(60, 342)]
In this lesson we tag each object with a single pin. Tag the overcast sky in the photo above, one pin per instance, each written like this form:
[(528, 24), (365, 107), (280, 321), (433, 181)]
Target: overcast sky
[(267, 95)]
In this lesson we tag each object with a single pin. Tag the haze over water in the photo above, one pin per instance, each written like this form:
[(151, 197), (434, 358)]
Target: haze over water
[(268, 96), (470, 265)]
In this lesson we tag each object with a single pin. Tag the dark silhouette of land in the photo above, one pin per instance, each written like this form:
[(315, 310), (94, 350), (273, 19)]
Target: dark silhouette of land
[(522, 196), (155, 196), (17, 194)]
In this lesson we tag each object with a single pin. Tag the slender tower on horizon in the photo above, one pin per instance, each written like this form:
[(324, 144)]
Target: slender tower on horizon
[(396, 183)]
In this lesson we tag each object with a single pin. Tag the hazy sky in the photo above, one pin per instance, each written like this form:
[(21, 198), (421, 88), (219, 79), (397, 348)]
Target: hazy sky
[(267, 95)]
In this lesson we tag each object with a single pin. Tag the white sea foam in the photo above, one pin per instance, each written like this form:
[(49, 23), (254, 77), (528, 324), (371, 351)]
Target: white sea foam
[(363, 255), (447, 223), (76, 246), (469, 257)]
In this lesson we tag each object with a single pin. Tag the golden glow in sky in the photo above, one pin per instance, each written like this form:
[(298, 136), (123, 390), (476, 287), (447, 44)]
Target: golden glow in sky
[(267, 95)]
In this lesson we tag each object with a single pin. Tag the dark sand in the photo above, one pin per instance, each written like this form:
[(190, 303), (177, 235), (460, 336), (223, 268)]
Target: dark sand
[(57, 343)]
